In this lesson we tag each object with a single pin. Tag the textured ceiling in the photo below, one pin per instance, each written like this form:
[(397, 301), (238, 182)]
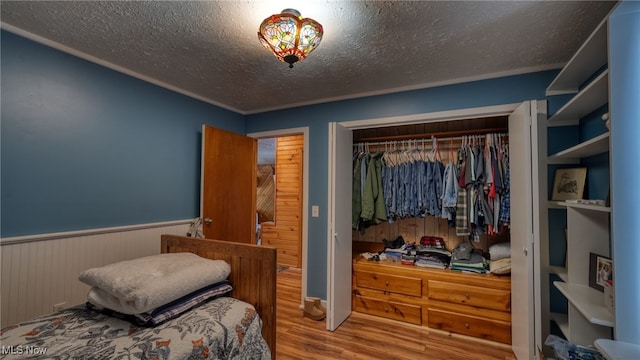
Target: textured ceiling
[(210, 49)]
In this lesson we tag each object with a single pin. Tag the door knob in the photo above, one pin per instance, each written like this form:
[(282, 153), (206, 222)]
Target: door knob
[(208, 221)]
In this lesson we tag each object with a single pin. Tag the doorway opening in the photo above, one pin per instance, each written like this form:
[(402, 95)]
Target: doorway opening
[(528, 190), (279, 196), (266, 186), (283, 161), (339, 235)]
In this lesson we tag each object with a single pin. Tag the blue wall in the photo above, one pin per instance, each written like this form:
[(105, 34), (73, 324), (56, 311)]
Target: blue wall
[(498, 91), (624, 77), (83, 146)]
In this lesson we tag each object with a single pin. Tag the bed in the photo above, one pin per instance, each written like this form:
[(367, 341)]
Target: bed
[(238, 325)]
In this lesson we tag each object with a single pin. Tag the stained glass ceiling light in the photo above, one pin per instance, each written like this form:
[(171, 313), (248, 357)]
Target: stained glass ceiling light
[(290, 37)]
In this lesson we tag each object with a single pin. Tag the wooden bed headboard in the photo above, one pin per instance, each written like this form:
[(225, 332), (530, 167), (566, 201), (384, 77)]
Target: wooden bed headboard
[(253, 274)]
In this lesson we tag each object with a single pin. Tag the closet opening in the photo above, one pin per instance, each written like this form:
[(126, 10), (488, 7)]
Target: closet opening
[(429, 142)]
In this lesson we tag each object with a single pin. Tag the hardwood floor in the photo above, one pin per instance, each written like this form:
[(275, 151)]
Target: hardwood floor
[(365, 337)]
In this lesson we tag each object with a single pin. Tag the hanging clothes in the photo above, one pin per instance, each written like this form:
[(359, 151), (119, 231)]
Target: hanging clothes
[(356, 193), (471, 191), (505, 209), (449, 195), (373, 205)]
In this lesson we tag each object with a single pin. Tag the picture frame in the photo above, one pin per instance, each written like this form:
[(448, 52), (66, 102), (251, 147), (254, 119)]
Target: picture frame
[(568, 184), (600, 271)]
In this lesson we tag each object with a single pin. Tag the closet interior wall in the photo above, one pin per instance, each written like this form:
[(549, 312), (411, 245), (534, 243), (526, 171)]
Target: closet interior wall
[(412, 229)]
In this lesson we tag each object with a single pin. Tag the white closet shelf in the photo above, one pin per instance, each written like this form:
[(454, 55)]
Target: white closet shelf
[(590, 302), (560, 271), (617, 350), (556, 205), (590, 98), (590, 57), (593, 146), (562, 320), (589, 207)]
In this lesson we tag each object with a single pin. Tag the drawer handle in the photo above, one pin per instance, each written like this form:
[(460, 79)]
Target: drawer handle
[(386, 283), (386, 310), (466, 325), (467, 295)]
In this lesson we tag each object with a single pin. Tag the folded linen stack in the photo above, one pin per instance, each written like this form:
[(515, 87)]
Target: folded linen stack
[(500, 255), (432, 258), (466, 258), (432, 252), (156, 288)]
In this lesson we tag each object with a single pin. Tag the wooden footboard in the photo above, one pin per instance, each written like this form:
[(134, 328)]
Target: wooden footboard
[(253, 274)]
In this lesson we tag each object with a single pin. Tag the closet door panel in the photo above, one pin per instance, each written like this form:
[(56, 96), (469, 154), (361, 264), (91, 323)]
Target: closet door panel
[(520, 162), (339, 244)]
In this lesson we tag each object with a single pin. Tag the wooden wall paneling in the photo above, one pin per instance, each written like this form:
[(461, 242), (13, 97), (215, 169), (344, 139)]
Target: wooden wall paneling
[(408, 230), (420, 229), (412, 229), (285, 233)]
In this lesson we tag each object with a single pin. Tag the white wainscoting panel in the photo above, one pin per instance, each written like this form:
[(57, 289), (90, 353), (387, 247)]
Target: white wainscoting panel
[(42, 271)]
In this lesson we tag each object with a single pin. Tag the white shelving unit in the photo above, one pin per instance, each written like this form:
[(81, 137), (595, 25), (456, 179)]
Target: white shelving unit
[(589, 302), (588, 99), (588, 231), (590, 57), (617, 350), (572, 155), (591, 207), (560, 271), (562, 320)]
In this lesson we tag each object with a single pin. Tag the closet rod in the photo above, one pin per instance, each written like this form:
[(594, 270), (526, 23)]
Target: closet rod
[(437, 135), (441, 141)]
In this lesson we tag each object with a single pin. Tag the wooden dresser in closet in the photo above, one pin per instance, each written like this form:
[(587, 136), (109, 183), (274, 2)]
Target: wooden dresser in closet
[(469, 304)]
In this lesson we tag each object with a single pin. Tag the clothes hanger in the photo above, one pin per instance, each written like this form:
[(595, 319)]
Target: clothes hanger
[(434, 149), (452, 156)]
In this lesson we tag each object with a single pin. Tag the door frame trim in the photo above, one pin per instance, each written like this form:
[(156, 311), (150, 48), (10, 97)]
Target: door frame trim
[(438, 116), (305, 192), (422, 118)]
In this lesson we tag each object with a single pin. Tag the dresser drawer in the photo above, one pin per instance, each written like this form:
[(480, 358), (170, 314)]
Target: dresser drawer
[(391, 283), (478, 327), (389, 309), (470, 295)]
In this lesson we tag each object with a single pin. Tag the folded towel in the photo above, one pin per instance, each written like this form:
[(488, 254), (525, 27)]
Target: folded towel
[(501, 267), (143, 284)]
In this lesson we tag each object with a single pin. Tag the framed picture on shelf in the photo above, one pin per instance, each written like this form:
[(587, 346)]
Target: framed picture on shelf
[(600, 271), (568, 184)]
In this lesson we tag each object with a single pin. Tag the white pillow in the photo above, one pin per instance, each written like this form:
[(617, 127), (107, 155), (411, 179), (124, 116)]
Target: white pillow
[(500, 250)]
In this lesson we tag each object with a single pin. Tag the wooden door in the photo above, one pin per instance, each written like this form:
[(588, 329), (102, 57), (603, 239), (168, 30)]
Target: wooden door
[(339, 236), (228, 193)]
